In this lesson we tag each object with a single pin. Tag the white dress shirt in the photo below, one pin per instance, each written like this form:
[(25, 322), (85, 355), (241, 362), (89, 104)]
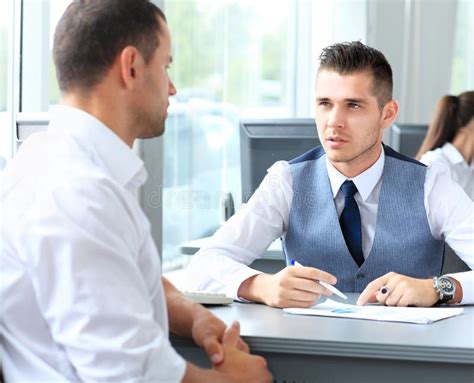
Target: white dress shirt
[(81, 290), (247, 234), (462, 172)]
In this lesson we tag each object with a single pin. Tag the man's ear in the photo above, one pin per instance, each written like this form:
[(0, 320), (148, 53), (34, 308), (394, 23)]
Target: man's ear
[(389, 113), (130, 66)]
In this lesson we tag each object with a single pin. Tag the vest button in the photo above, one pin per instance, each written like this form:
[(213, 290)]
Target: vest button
[(360, 276)]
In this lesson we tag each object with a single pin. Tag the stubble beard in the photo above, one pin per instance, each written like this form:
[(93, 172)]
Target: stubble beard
[(356, 158), (155, 127)]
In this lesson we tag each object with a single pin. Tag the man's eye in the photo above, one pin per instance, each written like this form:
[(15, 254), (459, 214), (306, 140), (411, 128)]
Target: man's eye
[(323, 103), (353, 105)]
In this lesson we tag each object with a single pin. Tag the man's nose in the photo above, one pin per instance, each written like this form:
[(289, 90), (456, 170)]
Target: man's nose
[(171, 89), (336, 118)]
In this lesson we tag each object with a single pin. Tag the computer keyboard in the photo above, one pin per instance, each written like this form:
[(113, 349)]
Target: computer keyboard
[(207, 298)]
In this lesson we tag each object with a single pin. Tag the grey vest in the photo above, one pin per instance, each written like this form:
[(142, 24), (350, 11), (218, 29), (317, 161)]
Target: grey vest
[(402, 243)]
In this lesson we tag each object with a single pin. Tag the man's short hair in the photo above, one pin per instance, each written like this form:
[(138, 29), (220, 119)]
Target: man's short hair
[(352, 57), (91, 33)]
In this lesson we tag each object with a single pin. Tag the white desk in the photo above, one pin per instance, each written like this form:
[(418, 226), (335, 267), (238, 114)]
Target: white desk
[(318, 349)]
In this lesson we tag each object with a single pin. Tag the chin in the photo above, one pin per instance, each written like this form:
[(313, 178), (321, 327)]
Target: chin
[(153, 133), (335, 156)]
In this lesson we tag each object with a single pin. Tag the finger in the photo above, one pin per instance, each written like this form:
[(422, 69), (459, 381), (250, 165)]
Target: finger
[(231, 335), (383, 294), (214, 351), (303, 296), (404, 301), (370, 292), (242, 346), (313, 274), (261, 360), (390, 293), (296, 304), (310, 286)]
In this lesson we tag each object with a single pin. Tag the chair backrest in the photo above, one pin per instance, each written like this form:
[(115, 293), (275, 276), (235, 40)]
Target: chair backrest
[(407, 138), (452, 263)]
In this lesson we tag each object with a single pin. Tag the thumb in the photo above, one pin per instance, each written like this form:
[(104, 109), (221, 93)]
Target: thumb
[(215, 351), (231, 335)]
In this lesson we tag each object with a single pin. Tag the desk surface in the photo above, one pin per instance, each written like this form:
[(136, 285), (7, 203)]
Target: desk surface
[(269, 329)]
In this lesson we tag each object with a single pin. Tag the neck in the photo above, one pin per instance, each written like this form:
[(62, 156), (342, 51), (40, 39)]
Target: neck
[(465, 145), (104, 108), (360, 164)]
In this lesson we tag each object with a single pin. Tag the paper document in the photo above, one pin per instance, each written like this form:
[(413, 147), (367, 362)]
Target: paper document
[(420, 315)]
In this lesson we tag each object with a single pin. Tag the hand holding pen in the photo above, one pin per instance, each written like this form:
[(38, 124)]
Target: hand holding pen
[(322, 283), (290, 287)]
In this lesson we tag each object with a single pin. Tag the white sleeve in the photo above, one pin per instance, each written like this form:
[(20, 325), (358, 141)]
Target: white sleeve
[(90, 288), (222, 265), (451, 217)]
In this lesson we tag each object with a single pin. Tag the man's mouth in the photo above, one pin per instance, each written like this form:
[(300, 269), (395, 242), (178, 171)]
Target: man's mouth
[(335, 139)]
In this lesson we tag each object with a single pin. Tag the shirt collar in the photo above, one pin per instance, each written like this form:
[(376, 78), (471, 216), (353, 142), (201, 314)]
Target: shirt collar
[(96, 138), (452, 154), (365, 182)]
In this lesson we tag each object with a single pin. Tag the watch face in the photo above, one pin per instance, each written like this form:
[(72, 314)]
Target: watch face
[(446, 286)]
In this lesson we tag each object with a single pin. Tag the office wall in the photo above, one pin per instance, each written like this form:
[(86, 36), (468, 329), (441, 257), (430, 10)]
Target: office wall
[(418, 39)]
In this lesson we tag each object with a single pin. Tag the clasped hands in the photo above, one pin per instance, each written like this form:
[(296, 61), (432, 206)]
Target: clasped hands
[(226, 349)]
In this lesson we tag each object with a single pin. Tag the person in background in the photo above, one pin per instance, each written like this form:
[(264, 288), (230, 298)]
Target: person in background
[(450, 139), (81, 292)]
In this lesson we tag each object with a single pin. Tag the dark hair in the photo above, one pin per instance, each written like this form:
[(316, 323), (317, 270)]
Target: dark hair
[(451, 114), (91, 33), (353, 57)]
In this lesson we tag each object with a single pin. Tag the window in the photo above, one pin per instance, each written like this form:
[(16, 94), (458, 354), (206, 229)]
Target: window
[(462, 78), (3, 59), (39, 86), (6, 27), (231, 60)]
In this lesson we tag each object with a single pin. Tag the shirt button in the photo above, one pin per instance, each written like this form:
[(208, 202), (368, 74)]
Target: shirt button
[(360, 276)]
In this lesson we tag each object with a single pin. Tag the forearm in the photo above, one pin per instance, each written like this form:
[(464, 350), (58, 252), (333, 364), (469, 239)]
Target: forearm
[(218, 271), (181, 311)]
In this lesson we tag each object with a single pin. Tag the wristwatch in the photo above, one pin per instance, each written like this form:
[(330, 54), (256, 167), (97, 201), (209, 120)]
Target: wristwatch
[(444, 287)]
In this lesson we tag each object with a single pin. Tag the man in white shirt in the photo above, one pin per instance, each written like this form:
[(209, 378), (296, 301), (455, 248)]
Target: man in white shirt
[(81, 288), (354, 212)]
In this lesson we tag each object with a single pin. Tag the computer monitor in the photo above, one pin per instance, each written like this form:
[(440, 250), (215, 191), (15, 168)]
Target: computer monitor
[(263, 142), (407, 138)]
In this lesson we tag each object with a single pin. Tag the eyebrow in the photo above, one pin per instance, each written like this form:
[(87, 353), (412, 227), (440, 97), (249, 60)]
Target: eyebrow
[(354, 100)]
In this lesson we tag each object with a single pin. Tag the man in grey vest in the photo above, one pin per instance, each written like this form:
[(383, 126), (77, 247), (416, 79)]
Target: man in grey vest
[(354, 212)]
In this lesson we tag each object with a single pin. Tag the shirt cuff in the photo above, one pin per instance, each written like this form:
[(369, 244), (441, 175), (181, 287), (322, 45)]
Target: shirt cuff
[(237, 279), (466, 279)]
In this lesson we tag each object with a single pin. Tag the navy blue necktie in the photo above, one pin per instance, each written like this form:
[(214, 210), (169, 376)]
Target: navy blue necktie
[(350, 222)]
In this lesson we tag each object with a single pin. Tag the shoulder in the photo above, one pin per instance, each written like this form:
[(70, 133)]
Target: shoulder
[(91, 200), (434, 156), (438, 169), (400, 158), (310, 155), (279, 168)]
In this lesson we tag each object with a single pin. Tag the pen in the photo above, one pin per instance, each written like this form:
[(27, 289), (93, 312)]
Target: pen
[(324, 284)]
